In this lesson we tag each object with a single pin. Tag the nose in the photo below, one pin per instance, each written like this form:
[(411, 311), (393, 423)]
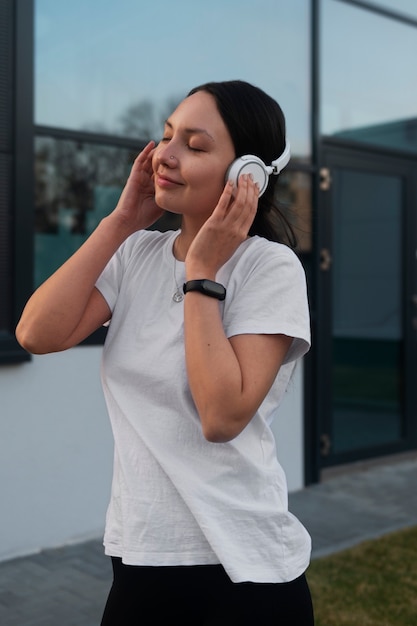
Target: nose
[(165, 155)]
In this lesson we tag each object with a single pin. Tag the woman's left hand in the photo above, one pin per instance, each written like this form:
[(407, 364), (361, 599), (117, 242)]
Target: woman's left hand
[(224, 231)]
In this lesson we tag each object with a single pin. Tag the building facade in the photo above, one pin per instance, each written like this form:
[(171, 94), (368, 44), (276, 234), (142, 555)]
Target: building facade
[(83, 86)]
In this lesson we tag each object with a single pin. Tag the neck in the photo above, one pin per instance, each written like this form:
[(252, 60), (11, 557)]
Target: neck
[(185, 238)]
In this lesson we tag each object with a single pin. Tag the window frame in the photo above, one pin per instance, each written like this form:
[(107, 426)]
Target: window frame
[(17, 150), (374, 7)]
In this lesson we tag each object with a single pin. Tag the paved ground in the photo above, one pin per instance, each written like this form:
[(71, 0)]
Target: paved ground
[(68, 586)]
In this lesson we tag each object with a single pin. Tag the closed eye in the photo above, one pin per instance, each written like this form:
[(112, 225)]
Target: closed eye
[(167, 139), (192, 148)]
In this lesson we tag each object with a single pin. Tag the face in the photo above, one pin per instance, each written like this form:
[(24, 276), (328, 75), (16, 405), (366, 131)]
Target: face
[(191, 161)]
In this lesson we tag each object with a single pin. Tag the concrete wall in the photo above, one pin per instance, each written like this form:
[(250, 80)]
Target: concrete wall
[(288, 429), (56, 450)]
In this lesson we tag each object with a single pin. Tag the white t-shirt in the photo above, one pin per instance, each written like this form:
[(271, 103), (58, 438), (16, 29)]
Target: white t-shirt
[(176, 498)]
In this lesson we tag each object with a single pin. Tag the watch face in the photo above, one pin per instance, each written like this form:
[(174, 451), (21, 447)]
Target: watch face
[(213, 288)]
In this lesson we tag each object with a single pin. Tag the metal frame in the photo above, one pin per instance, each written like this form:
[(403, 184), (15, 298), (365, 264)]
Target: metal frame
[(115, 141), (21, 178), (379, 10), (311, 366)]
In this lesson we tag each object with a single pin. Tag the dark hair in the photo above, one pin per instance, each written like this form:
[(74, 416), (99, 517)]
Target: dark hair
[(256, 125)]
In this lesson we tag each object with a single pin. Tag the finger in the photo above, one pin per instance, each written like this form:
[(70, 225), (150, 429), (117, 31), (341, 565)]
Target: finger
[(252, 204), (143, 161), (149, 146), (240, 204), (252, 190), (144, 154), (224, 200), (243, 209), (148, 165)]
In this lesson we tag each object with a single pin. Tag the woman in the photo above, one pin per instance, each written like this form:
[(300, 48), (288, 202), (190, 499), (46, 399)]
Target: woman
[(197, 527)]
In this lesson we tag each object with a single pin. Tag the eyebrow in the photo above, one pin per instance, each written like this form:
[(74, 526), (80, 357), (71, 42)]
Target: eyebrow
[(192, 131)]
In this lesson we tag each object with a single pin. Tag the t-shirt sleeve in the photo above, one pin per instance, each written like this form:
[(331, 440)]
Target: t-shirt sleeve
[(270, 298), (109, 281)]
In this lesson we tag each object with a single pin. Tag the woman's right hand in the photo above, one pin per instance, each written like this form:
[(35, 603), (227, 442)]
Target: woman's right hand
[(137, 208)]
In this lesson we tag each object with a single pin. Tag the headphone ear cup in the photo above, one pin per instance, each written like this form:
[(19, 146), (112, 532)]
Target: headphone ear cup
[(249, 164)]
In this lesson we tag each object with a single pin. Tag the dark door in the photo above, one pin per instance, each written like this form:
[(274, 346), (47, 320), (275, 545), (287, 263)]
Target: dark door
[(367, 305)]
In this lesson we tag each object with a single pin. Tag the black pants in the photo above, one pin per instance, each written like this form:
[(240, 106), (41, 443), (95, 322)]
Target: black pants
[(202, 595)]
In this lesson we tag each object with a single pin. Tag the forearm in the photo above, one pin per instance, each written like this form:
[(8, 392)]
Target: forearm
[(57, 306), (214, 372)]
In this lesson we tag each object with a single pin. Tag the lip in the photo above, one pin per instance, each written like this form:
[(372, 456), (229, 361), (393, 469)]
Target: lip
[(165, 181)]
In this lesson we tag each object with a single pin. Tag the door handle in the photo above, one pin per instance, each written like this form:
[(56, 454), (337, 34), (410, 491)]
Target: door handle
[(325, 259), (325, 179)]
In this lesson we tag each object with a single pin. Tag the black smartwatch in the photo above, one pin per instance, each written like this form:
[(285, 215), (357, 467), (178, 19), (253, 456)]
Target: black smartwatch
[(207, 287)]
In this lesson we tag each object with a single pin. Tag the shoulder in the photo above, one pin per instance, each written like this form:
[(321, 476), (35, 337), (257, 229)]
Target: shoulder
[(262, 266), (267, 293), (258, 255), (263, 248)]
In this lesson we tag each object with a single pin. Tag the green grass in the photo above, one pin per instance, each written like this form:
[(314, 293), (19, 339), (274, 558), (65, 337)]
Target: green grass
[(373, 584)]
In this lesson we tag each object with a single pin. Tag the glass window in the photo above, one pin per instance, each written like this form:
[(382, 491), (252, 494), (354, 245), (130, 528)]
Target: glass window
[(369, 82), (121, 67), (79, 183), (75, 183), (368, 309)]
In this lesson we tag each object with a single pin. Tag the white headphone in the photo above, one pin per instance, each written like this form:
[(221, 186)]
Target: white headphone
[(250, 164)]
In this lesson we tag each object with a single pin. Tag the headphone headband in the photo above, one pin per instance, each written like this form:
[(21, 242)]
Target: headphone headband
[(278, 165)]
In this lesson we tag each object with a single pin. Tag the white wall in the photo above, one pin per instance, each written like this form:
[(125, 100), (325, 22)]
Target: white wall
[(288, 429), (56, 450)]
